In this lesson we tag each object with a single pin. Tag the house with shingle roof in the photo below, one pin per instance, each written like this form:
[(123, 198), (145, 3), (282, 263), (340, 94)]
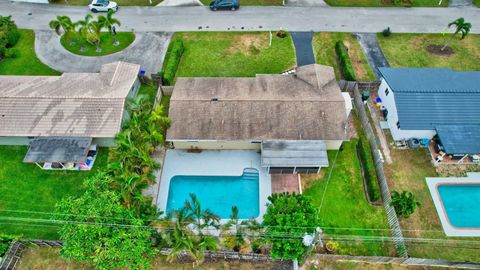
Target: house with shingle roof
[(437, 103), (292, 119), (87, 105)]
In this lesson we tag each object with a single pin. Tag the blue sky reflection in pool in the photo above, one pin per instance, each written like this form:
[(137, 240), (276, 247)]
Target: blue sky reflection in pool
[(218, 193)]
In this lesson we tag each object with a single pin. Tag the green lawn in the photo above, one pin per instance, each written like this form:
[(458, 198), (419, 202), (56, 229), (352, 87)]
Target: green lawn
[(408, 172), (221, 54), (252, 2), (385, 3), (106, 44), (119, 2), (408, 50), (345, 205), (476, 3), (26, 62), (324, 51), (25, 187)]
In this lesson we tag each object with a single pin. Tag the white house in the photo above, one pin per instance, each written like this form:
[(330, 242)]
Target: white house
[(424, 102), (291, 119)]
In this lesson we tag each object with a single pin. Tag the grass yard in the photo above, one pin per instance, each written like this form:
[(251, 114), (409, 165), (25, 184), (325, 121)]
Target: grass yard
[(385, 3), (222, 54), (252, 2), (345, 205), (106, 44), (26, 62), (41, 258), (324, 51), (151, 92), (25, 187), (119, 2), (408, 50), (408, 172), (476, 3)]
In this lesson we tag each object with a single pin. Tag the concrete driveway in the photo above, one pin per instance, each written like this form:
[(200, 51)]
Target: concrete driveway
[(148, 50)]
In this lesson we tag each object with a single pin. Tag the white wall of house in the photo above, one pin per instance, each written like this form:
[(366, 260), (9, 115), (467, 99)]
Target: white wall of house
[(33, 1), (104, 142), (235, 145), (392, 118), (348, 102)]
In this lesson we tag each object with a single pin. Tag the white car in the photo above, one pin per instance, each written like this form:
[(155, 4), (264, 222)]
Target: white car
[(102, 5)]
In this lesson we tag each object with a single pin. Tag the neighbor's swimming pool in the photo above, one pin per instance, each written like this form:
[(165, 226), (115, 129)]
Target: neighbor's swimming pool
[(461, 203), (218, 193)]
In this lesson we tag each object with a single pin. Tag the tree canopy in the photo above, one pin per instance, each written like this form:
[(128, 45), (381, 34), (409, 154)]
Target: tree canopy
[(288, 218)]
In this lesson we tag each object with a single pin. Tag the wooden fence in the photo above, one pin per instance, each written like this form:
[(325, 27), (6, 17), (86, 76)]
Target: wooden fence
[(14, 252)]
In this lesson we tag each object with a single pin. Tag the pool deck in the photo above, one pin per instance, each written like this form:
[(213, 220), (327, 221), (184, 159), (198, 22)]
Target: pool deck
[(213, 163), (448, 228), (285, 183)]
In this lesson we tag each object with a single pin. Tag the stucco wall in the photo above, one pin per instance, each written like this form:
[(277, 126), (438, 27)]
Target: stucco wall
[(104, 142), (398, 134), (14, 141)]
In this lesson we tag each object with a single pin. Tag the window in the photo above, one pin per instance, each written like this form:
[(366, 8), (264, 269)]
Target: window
[(306, 170), (281, 170), (387, 91), (398, 124)]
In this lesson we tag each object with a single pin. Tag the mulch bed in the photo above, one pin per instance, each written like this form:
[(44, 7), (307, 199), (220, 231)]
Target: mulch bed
[(437, 50)]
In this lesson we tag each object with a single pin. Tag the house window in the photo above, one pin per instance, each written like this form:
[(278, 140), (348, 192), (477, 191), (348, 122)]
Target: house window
[(398, 124), (307, 170), (387, 91)]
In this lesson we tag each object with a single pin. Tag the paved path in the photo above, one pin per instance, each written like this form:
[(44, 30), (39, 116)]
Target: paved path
[(339, 19), (303, 48), (306, 3), (148, 50), (460, 3), (370, 47), (179, 3)]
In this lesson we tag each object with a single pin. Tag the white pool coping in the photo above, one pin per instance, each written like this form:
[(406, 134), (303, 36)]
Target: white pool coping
[(213, 163), (448, 228)]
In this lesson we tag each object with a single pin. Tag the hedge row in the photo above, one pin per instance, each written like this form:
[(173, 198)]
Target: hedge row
[(9, 36), (172, 59), (344, 61), (366, 158)]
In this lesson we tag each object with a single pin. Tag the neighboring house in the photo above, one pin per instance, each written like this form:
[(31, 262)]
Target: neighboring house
[(424, 102), (292, 119), (85, 105)]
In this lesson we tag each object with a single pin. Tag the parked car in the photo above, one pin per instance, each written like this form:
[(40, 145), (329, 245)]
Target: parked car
[(102, 5), (224, 5)]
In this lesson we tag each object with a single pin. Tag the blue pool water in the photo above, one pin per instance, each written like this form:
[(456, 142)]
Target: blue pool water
[(218, 193), (462, 204)]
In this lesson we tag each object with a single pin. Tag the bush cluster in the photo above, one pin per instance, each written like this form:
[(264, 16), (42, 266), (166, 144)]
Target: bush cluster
[(282, 34), (172, 59), (9, 37), (344, 61), (367, 161)]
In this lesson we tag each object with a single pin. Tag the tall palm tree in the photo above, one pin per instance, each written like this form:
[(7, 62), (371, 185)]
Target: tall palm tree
[(93, 34), (109, 22), (83, 29), (461, 26), (63, 23)]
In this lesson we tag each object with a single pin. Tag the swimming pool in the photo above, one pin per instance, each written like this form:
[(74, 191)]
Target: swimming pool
[(461, 203), (218, 193)]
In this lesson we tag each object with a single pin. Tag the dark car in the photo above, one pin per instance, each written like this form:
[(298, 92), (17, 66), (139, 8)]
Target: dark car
[(224, 4)]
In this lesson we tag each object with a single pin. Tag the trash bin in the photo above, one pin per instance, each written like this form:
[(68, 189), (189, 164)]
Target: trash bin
[(365, 95)]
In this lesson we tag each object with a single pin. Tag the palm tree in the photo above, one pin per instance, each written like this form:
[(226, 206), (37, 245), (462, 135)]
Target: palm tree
[(462, 27), (204, 218), (83, 29), (93, 34), (109, 23), (63, 23)]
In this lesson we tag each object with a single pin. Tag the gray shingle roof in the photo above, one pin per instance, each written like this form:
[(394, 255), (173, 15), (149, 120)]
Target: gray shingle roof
[(427, 97), (74, 104), (305, 106), (460, 139)]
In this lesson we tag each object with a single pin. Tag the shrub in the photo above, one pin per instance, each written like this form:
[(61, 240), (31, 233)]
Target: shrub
[(11, 53), (5, 241), (332, 246), (344, 61), (405, 203), (367, 161), (172, 59), (12, 37), (386, 32), (282, 34), (9, 35)]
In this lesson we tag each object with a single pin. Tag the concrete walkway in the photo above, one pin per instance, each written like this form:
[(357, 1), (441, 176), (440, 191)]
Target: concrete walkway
[(249, 18), (460, 3), (372, 50), (180, 3), (305, 3), (148, 50), (303, 48)]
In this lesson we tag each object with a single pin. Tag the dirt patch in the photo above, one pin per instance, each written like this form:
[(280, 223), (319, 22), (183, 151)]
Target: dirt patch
[(437, 50), (248, 44), (456, 170), (309, 179), (355, 59)]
